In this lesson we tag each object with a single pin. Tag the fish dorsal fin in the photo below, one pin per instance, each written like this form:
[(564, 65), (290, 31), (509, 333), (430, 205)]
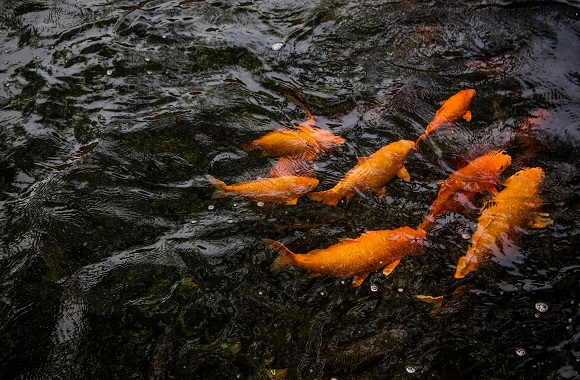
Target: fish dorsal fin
[(404, 174), (467, 116), (362, 160), (389, 268)]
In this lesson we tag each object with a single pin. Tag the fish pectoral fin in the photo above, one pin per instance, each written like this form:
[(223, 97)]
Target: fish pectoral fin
[(292, 201), (404, 174), (359, 279), (542, 221), (467, 116), (381, 192), (389, 268)]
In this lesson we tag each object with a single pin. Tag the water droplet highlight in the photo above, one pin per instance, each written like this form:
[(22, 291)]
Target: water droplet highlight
[(411, 369), (520, 351), (542, 307), (109, 72), (400, 290), (277, 46), (374, 288), (210, 207)]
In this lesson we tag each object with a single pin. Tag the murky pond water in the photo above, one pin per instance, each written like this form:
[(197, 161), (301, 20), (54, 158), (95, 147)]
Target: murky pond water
[(117, 263)]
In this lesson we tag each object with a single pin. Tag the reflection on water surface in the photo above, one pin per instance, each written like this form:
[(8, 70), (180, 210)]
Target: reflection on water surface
[(117, 263)]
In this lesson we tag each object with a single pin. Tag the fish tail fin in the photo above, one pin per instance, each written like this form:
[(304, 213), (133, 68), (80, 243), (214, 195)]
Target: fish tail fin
[(311, 118), (330, 197), (285, 258), (221, 187)]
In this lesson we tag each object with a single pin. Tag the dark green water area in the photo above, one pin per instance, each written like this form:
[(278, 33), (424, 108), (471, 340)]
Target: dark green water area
[(117, 263)]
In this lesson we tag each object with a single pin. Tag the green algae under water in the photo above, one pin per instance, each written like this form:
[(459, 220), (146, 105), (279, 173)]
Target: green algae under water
[(116, 263)]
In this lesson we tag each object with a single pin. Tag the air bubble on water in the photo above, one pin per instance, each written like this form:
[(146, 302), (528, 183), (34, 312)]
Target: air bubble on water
[(235, 205), (570, 320), (342, 282), (465, 236), (411, 369), (277, 46), (260, 293), (193, 221), (5, 62), (164, 36), (400, 290), (374, 288), (147, 59), (542, 307), (109, 72), (537, 315), (230, 221), (520, 351), (149, 72), (260, 204), (322, 293), (210, 207)]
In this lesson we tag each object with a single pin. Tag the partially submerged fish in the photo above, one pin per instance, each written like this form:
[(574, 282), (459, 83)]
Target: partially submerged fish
[(442, 303), (281, 190), (358, 257), (452, 110), (457, 191), (516, 208), (372, 172), (304, 142)]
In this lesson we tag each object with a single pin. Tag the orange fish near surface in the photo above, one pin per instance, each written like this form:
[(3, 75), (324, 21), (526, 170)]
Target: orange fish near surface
[(453, 109), (372, 172), (358, 257), (280, 190), (457, 191), (305, 142), (514, 209)]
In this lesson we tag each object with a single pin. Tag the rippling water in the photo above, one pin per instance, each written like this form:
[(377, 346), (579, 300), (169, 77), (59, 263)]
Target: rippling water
[(116, 262)]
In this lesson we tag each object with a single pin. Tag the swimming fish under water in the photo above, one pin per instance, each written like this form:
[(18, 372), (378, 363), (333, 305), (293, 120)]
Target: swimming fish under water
[(358, 257), (280, 190), (514, 209), (304, 142), (372, 172), (452, 110), (457, 191)]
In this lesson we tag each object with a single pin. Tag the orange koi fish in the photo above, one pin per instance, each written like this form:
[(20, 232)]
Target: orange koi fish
[(452, 110), (305, 142), (280, 190), (356, 257), (458, 190), (372, 172), (514, 209)]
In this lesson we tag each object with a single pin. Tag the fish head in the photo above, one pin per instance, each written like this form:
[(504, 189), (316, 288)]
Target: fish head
[(326, 139), (403, 147), (531, 178), (499, 161), (466, 95)]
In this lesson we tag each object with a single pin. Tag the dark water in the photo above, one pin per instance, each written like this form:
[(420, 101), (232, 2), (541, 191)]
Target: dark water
[(116, 263)]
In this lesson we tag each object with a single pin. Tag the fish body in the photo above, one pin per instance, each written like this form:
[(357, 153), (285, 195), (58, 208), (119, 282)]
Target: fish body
[(514, 209), (452, 110), (306, 142), (358, 257), (457, 191), (280, 190), (372, 172)]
